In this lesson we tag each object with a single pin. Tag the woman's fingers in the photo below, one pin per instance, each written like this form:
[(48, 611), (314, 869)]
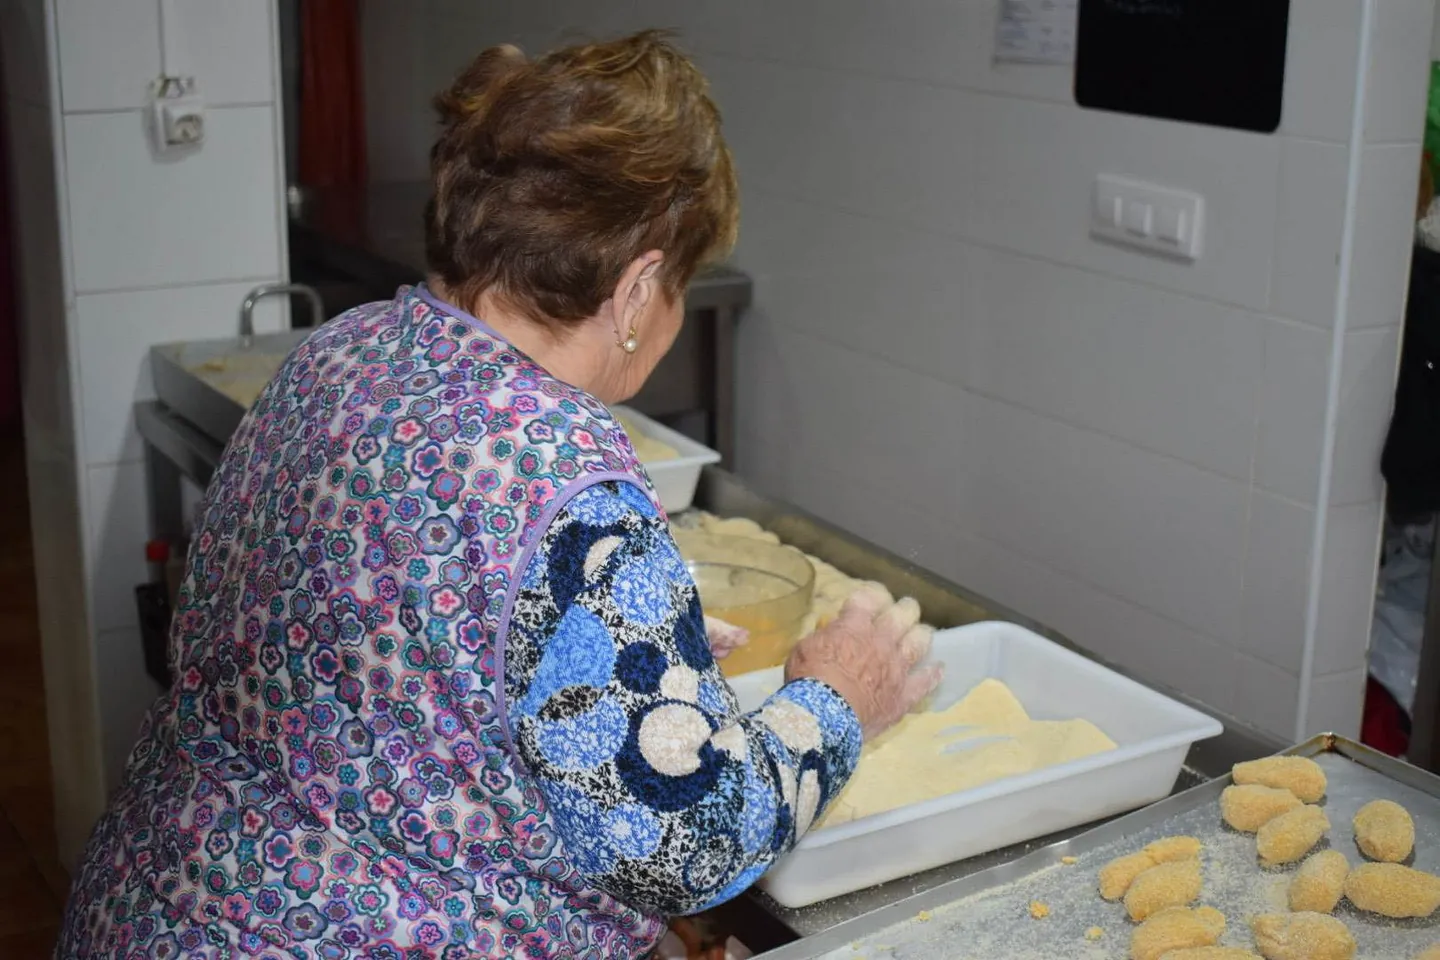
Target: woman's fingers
[(915, 644), (862, 606), (920, 684), (725, 638), (899, 618)]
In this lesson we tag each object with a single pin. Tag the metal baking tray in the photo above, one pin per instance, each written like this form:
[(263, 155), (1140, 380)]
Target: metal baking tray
[(182, 385), (987, 915)]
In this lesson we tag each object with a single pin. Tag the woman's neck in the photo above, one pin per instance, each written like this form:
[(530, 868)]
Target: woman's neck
[(571, 358)]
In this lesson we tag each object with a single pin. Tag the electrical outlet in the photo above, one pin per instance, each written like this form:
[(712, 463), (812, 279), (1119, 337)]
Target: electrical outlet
[(178, 122)]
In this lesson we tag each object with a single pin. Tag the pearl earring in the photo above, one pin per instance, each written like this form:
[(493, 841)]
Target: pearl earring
[(630, 344)]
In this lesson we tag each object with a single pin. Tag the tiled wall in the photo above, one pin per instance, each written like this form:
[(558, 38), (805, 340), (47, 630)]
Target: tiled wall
[(940, 358), (152, 250)]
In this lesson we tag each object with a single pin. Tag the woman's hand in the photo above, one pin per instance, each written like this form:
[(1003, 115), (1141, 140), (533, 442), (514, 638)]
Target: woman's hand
[(725, 638), (871, 656)]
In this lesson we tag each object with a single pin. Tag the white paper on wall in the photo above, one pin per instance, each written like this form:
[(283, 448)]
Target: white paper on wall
[(1036, 31)]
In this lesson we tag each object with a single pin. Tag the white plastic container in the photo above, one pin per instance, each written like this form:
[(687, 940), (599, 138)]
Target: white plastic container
[(1153, 733), (675, 479)]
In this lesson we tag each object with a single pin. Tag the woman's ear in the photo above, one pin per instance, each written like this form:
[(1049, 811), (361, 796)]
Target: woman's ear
[(638, 288)]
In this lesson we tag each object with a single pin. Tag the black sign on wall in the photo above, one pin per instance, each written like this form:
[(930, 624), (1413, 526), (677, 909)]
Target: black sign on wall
[(1218, 62)]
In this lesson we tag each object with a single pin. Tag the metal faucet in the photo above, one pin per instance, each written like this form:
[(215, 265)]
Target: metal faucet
[(247, 307)]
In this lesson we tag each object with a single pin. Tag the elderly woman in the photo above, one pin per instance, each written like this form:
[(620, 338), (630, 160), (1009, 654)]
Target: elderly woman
[(444, 688)]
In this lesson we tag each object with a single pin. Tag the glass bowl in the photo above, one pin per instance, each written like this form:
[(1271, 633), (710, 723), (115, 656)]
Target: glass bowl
[(764, 587)]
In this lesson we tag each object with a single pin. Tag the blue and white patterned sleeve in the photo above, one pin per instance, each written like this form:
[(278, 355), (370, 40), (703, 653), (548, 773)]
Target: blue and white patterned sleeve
[(664, 794)]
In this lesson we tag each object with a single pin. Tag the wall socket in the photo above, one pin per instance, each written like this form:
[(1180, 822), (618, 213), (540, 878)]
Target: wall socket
[(177, 119)]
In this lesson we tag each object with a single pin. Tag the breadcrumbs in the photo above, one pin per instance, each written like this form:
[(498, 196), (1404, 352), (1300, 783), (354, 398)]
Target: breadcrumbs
[(1039, 910)]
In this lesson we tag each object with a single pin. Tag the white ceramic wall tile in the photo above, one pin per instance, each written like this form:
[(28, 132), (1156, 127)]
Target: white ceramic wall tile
[(1149, 529), (230, 47), (576, 21), (1399, 70), (1320, 61), (1153, 648), (1384, 234), (986, 168), (880, 288), (1347, 587), (118, 524), (1277, 580), (109, 52), (1367, 392), (912, 445), (1167, 372), (1310, 229), (935, 42), (765, 454), (211, 216), (1029, 81), (1291, 422), (125, 695), (922, 536), (1266, 696), (1337, 704), (1034, 175), (895, 150), (25, 50), (115, 333)]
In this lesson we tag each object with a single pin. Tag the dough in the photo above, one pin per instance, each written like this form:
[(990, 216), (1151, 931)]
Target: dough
[(1392, 890), (1167, 849), (1302, 936), (1300, 775), (1248, 808), (1117, 875), (241, 376), (1291, 835), (1166, 885), (647, 448), (1210, 953), (1176, 929), (906, 764), (1384, 831), (1319, 883)]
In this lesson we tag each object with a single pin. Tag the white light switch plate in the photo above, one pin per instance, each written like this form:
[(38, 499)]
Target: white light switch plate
[(1148, 217)]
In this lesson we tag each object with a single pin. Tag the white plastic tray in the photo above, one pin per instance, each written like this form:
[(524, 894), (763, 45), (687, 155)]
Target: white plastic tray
[(675, 480), (1153, 733)]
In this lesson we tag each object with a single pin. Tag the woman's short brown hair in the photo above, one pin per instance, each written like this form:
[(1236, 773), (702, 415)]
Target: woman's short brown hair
[(552, 175)]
